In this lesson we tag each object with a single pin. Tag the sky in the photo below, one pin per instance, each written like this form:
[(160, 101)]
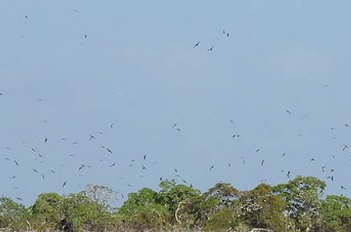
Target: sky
[(88, 88)]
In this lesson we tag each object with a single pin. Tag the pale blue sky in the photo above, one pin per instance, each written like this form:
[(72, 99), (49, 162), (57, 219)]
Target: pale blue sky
[(137, 68)]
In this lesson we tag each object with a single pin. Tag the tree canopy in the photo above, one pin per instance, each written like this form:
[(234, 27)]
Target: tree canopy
[(298, 205)]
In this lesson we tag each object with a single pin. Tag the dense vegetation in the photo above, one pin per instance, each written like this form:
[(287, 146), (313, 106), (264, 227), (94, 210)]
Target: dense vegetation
[(298, 205)]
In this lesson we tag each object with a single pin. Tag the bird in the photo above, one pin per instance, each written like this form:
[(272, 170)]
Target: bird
[(288, 174), (91, 137), (45, 140), (26, 16), (178, 129), (175, 170), (81, 166), (197, 44), (210, 49), (227, 34), (111, 165), (144, 157), (211, 167), (34, 170), (16, 162), (112, 124), (284, 154), (258, 150), (262, 162), (331, 178), (345, 146), (85, 36), (288, 111), (174, 125), (64, 184), (342, 187)]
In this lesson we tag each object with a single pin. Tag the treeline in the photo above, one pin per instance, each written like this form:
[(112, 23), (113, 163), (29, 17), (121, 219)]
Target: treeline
[(298, 205)]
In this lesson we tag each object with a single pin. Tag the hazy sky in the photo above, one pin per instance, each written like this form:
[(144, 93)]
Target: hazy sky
[(71, 69)]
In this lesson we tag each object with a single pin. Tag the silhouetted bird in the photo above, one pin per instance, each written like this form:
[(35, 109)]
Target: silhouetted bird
[(211, 167), (197, 44), (258, 150), (45, 140), (91, 137), (64, 184), (85, 36), (262, 162), (288, 111), (345, 146), (210, 49), (342, 187), (144, 157)]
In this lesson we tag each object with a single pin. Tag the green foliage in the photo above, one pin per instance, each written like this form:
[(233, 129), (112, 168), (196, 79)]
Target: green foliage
[(336, 211), (303, 198), (291, 207), (12, 214), (47, 211)]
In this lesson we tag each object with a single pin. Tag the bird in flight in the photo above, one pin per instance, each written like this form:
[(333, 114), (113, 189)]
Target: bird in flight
[(144, 157), (211, 167), (258, 150), (197, 44), (113, 164), (91, 137), (45, 140), (64, 184), (347, 125), (288, 174), (262, 162), (210, 49), (345, 146), (288, 111), (85, 36), (342, 187), (174, 125)]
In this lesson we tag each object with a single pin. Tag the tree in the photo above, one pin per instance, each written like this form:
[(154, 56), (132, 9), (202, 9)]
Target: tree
[(303, 198), (12, 214), (102, 195), (336, 211), (141, 211), (47, 211)]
